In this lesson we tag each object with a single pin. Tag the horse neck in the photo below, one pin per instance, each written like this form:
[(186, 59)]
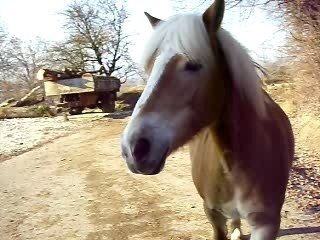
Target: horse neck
[(224, 101), (225, 126), (237, 127), (228, 114), (217, 89), (220, 85)]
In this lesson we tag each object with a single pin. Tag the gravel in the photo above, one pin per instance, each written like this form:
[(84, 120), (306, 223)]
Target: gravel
[(20, 135)]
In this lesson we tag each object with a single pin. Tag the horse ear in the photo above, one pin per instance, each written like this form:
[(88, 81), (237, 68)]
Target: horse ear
[(213, 16), (153, 20)]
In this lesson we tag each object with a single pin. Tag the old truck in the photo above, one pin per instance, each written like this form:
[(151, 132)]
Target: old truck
[(80, 90)]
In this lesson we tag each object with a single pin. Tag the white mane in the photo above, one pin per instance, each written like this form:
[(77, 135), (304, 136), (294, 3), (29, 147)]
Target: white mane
[(243, 71), (186, 34)]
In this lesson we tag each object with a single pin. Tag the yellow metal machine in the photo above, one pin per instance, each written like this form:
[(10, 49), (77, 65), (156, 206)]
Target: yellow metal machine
[(78, 91)]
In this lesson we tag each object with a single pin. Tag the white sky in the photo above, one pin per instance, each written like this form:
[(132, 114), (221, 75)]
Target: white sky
[(28, 19)]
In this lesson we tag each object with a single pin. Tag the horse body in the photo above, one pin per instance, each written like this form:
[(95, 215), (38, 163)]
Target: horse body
[(244, 176), (203, 89), (213, 179)]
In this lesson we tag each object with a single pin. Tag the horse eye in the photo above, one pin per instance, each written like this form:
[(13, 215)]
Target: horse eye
[(192, 66)]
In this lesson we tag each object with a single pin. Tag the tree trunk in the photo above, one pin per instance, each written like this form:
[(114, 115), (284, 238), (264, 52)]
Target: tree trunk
[(33, 97), (26, 112)]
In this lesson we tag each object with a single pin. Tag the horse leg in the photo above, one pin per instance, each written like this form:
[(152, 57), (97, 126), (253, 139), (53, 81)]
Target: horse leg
[(264, 226), (218, 222), (236, 229)]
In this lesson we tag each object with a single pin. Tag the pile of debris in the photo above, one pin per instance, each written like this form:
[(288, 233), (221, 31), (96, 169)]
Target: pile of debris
[(31, 105), (67, 73), (75, 89)]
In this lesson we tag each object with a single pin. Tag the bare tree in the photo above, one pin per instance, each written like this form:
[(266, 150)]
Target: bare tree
[(96, 38), (86, 30), (26, 60), (182, 5), (22, 62), (69, 53), (302, 19), (4, 51)]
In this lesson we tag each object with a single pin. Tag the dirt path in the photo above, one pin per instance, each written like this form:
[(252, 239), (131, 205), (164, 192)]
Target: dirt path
[(78, 187)]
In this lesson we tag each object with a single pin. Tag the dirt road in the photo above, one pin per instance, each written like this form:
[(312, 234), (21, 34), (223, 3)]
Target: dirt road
[(78, 187)]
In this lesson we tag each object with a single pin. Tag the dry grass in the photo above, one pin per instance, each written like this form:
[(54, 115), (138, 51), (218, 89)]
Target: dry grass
[(128, 97)]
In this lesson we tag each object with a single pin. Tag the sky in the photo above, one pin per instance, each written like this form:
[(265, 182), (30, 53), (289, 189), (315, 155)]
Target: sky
[(28, 19)]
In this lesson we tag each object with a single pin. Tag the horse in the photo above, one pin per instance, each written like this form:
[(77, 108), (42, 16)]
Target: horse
[(203, 89)]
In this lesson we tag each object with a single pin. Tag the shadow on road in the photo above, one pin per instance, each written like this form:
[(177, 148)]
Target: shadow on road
[(299, 230), (119, 115), (292, 231)]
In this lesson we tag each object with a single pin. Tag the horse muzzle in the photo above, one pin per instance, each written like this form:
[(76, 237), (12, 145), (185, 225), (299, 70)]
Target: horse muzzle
[(145, 155)]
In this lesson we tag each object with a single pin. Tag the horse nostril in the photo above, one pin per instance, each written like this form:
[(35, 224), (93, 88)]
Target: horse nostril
[(124, 154), (141, 149)]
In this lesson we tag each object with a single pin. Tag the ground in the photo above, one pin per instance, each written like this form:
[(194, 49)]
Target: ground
[(73, 184)]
